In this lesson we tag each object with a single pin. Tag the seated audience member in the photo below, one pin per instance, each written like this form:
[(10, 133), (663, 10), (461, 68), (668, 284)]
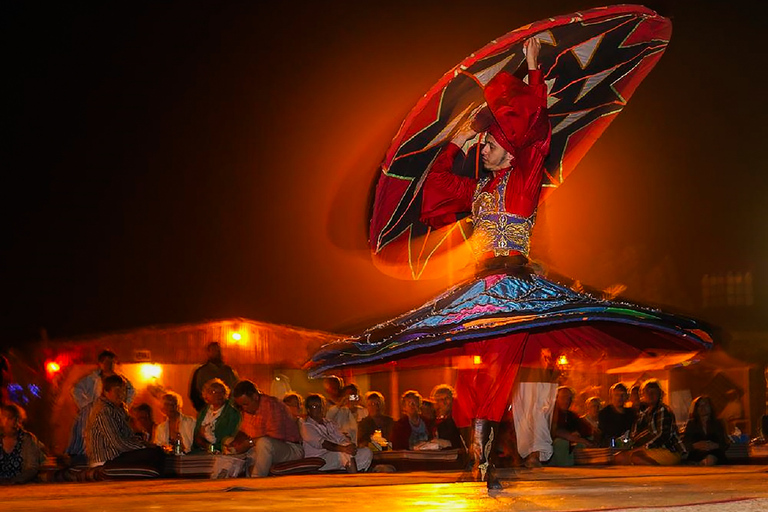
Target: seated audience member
[(654, 432), (295, 404), (347, 412), (590, 419), (411, 429), (332, 386), (85, 392), (615, 420), (109, 439), (176, 424), (636, 400), (444, 427), (142, 422), (218, 420), (20, 455), (322, 438), (704, 436), (268, 433), (567, 429), (376, 420), (427, 410)]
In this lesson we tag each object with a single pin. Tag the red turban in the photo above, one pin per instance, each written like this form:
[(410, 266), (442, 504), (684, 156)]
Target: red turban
[(515, 116)]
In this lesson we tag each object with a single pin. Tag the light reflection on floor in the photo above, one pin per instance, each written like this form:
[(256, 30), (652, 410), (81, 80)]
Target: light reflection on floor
[(540, 490)]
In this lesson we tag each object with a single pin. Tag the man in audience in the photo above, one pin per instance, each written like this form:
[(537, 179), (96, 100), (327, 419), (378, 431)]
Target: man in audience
[(444, 426), (615, 420), (213, 368), (109, 439), (347, 413), (268, 432), (567, 429), (322, 438), (85, 393), (655, 432)]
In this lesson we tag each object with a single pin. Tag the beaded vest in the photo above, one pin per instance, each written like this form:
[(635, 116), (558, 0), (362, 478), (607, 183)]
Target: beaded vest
[(496, 230)]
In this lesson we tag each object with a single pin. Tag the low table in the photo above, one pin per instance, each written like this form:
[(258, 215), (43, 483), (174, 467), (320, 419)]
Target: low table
[(421, 460)]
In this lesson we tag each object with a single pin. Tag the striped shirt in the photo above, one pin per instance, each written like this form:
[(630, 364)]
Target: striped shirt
[(108, 433), (660, 423)]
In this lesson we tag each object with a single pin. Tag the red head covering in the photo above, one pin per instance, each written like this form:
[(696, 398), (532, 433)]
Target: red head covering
[(515, 116)]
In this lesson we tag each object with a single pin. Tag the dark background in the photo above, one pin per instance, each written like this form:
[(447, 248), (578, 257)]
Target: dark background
[(180, 161)]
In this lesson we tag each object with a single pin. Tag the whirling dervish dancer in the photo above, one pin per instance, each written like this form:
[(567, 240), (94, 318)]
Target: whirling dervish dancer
[(508, 315)]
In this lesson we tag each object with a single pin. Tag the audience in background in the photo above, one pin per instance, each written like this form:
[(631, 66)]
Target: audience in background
[(85, 393), (636, 400), (590, 419), (20, 453), (347, 412), (142, 422), (654, 433), (411, 429), (213, 368), (295, 404), (268, 434), (376, 420), (176, 425), (109, 439), (568, 430), (323, 438), (216, 421), (444, 427), (616, 419), (704, 435), (332, 386)]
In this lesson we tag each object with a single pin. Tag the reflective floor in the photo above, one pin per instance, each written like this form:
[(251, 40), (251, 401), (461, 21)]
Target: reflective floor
[(734, 488)]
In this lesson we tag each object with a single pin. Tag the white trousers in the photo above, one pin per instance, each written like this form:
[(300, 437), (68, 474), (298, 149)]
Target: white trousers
[(532, 407), (339, 460)]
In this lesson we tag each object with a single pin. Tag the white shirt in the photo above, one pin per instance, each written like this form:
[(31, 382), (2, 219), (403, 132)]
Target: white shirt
[(186, 427), (313, 434)]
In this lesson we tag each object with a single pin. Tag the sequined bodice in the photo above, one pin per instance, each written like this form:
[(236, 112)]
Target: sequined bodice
[(496, 230)]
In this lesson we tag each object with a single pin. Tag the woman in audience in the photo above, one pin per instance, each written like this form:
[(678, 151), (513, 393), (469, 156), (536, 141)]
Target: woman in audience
[(20, 454), (704, 435), (218, 419), (411, 429), (175, 425), (376, 420)]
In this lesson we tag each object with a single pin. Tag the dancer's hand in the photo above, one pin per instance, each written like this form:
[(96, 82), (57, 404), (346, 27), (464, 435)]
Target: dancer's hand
[(531, 47), (465, 133)]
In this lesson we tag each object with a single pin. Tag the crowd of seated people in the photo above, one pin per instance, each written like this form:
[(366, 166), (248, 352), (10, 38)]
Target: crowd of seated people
[(344, 430)]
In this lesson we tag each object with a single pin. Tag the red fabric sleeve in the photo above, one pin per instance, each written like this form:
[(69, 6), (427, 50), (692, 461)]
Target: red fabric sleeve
[(525, 181), (445, 194)]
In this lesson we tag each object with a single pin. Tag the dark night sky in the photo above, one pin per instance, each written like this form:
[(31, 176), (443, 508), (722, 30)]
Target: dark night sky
[(182, 161)]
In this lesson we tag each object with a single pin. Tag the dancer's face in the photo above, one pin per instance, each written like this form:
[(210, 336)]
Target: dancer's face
[(494, 156)]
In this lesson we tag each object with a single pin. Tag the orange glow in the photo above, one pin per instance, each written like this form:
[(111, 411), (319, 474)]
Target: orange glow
[(236, 336), (477, 360), (562, 360), (150, 371), (52, 367)]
